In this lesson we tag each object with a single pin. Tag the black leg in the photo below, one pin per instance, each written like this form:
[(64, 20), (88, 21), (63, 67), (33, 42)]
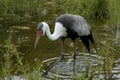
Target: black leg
[(62, 52), (60, 58), (74, 57)]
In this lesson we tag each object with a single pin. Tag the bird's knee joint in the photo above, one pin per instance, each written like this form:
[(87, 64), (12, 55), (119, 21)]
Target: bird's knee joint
[(74, 56)]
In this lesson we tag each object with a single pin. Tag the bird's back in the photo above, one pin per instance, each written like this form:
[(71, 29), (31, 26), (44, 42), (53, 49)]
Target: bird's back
[(74, 24)]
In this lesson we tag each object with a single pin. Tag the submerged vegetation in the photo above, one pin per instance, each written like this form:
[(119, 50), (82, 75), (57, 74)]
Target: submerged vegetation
[(13, 12)]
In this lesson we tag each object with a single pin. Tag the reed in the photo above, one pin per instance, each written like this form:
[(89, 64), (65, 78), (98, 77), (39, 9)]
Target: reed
[(19, 10), (118, 34), (108, 59), (96, 9), (25, 10)]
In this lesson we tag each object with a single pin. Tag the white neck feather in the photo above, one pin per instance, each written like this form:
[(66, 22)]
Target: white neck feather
[(59, 31)]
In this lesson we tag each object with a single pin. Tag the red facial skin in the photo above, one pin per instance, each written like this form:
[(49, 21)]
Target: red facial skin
[(40, 33)]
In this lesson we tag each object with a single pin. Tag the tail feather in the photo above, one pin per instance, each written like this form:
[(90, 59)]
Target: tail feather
[(85, 40)]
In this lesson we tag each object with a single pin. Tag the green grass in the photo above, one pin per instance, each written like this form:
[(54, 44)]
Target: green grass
[(19, 10), (27, 10), (114, 13), (95, 9), (12, 63), (108, 55)]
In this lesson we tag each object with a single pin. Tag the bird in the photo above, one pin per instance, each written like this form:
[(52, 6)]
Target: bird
[(67, 26)]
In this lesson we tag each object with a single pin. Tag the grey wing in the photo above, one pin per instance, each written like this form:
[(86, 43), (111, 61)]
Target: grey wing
[(82, 28)]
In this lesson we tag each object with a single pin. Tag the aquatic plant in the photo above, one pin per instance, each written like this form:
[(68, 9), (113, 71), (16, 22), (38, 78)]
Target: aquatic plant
[(6, 62), (108, 59), (12, 63)]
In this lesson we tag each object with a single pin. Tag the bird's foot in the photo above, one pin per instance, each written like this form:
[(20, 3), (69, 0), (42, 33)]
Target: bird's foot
[(45, 73)]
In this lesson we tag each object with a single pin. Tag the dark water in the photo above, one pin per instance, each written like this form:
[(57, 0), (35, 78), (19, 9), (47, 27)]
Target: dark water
[(23, 36)]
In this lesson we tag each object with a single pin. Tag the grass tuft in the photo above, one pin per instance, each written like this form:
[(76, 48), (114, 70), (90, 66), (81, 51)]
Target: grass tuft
[(12, 63)]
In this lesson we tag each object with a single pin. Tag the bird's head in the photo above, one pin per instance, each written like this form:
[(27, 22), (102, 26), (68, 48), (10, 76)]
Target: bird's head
[(40, 32)]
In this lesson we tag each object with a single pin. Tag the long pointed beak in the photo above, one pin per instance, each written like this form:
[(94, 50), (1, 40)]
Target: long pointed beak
[(36, 41)]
